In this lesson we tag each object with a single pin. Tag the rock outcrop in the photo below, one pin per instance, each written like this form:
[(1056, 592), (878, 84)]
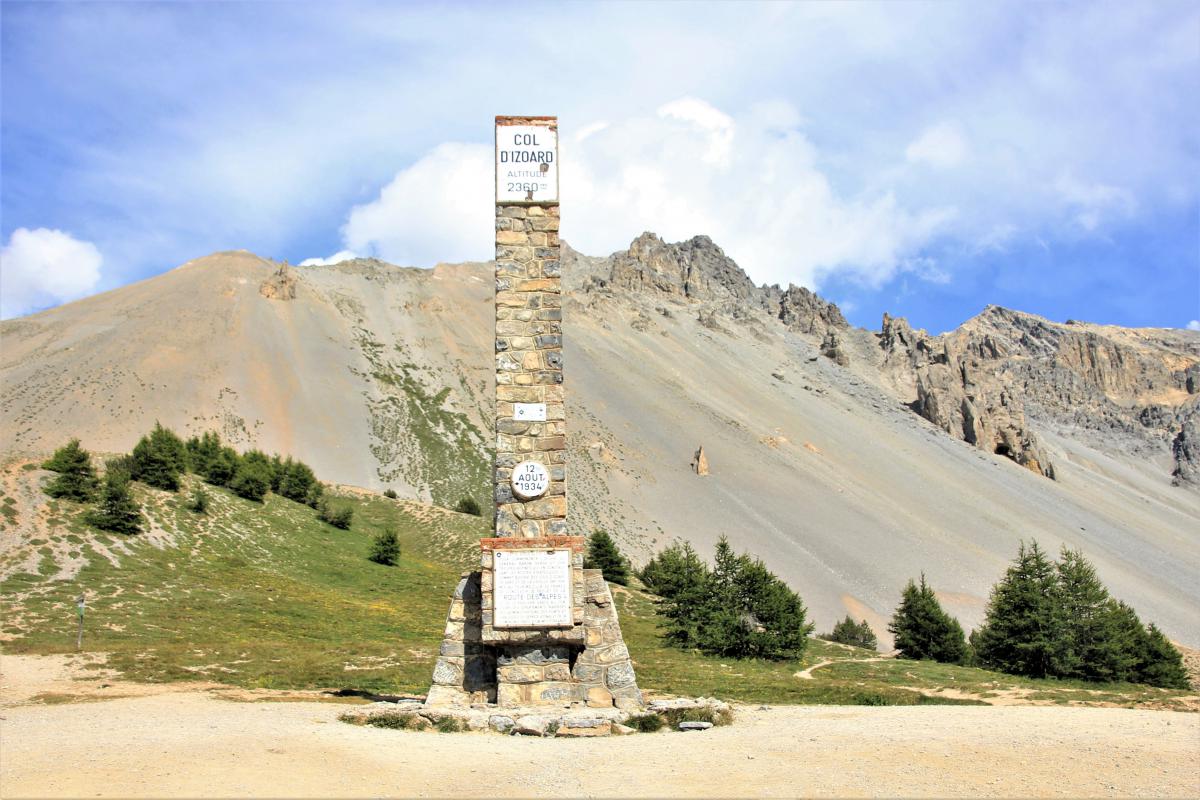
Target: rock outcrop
[(699, 271), (1125, 389), (958, 390), (700, 462), (280, 286), (803, 311), (1186, 450), (696, 269)]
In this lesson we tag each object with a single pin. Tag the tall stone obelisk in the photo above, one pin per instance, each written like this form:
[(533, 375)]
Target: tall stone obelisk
[(530, 416), (531, 626)]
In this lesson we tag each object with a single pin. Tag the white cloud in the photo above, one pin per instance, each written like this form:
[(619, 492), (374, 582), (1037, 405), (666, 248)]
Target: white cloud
[(336, 258), (1090, 203), (700, 115), (751, 183), (868, 147), (439, 209), (942, 146), (43, 267), (1194, 325)]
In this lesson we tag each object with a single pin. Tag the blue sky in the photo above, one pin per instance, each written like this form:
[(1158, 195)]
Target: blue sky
[(921, 159)]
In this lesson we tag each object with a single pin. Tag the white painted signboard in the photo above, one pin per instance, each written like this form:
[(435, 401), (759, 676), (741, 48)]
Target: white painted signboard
[(529, 480), (532, 588), (530, 412), (526, 163)]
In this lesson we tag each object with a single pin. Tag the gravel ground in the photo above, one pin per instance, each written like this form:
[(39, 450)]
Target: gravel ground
[(198, 743)]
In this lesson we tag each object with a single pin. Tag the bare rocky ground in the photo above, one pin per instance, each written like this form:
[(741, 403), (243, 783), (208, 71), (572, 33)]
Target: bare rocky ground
[(188, 741)]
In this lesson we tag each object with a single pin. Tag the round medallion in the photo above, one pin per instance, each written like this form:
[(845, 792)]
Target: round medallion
[(529, 480)]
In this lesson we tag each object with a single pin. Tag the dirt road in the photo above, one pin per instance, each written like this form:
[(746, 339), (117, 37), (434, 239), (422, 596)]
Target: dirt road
[(194, 743)]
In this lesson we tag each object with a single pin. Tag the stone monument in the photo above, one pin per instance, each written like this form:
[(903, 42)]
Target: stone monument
[(531, 626)]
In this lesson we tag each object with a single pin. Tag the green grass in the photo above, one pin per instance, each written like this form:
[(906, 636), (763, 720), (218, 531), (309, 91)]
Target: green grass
[(253, 595), (849, 680), (266, 596)]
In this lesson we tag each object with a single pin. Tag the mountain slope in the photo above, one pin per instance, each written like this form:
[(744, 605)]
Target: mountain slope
[(381, 376)]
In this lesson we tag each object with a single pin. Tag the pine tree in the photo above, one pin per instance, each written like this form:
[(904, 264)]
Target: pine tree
[(386, 548), (278, 468), (1161, 663), (1091, 647), (76, 478), (1131, 640), (116, 510), (603, 554), (686, 600), (223, 467), (1022, 632), (855, 634), (775, 617), (253, 477), (923, 630), (202, 451), (666, 572), (159, 459), (296, 481)]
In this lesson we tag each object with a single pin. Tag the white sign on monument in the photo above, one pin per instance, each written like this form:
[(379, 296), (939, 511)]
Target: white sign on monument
[(529, 480), (530, 412), (532, 588), (526, 163)]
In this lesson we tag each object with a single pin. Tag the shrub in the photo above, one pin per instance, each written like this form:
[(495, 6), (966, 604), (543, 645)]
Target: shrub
[(116, 510), (76, 478), (339, 517), (673, 716), (448, 725), (645, 723), (468, 505), (159, 459), (395, 720), (386, 548), (856, 634), (923, 630), (252, 479), (316, 493), (602, 554), (199, 502), (120, 464), (390, 494)]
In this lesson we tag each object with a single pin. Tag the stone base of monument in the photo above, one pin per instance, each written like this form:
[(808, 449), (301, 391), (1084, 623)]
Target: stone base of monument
[(582, 663), (678, 713)]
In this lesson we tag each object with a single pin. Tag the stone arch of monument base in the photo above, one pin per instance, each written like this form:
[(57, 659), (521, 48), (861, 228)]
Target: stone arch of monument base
[(587, 663)]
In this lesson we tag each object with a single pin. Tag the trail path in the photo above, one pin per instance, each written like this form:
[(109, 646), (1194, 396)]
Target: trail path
[(807, 674), (193, 743)]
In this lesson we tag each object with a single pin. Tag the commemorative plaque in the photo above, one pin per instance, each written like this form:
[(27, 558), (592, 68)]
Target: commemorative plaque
[(530, 480), (532, 588)]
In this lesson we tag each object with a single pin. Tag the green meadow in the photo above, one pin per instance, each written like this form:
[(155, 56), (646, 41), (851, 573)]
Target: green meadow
[(264, 595)]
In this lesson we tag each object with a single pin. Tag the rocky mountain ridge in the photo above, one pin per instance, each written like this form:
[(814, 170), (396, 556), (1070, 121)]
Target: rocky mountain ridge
[(380, 376), (990, 383)]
